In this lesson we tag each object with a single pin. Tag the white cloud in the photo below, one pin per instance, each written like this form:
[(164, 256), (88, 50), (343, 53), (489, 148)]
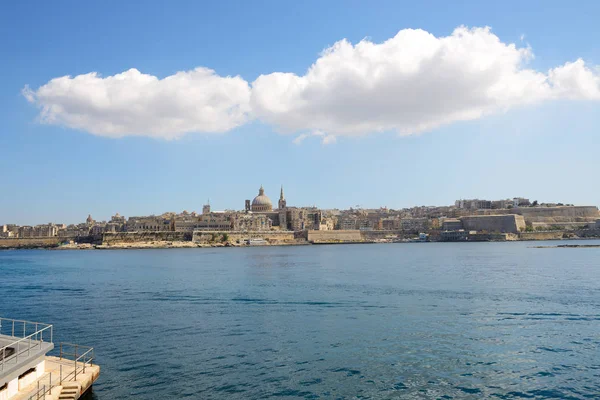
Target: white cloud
[(411, 83), (132, 103), (325, 139)]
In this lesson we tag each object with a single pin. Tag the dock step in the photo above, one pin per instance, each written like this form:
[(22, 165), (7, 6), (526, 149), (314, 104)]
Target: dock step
[(70, 391)]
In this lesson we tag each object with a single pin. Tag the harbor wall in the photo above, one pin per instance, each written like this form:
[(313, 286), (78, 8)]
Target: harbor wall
[(509, 223), (272, 237), (335, 236), (550, 214), (29, 243), (132, 237), (374, 235)]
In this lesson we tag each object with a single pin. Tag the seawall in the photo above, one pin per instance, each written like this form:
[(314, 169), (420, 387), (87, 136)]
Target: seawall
[(30, 243), (272, 237)]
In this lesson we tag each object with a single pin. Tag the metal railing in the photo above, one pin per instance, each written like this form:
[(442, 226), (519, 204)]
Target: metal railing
[(84, 358), (80, 357), (43, 389), (27, 336)]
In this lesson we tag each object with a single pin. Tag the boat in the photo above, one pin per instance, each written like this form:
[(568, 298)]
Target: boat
[(28, 371), (257, 242)]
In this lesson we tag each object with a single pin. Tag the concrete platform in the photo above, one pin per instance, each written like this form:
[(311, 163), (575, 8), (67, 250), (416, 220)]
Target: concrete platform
[(69, 390)]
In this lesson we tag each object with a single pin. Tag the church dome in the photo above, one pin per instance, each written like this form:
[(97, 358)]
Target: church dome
[(262, 202)]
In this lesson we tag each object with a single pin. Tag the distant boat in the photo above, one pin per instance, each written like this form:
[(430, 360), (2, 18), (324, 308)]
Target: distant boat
[(257, 242)]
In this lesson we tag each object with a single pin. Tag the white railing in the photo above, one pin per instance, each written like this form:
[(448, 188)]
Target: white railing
[(77, 356), (26, 336)]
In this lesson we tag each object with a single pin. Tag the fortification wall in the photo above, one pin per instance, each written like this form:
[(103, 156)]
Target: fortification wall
[(335, 236), (133, 237), (373, 235), (550, 214), (273, 237), (551, 235), (510, 223), (26, 243)]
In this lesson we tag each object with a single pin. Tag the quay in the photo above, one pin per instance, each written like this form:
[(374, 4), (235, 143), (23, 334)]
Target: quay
[(29, 372)]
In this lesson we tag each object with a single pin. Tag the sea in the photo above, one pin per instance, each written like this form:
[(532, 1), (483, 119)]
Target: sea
[(366, 321)]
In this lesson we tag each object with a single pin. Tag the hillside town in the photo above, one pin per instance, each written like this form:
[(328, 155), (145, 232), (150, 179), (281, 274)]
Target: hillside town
[(467, 219)]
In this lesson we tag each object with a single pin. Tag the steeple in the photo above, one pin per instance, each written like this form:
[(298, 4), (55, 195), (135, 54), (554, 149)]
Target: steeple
[(261, 191), (282, 202)]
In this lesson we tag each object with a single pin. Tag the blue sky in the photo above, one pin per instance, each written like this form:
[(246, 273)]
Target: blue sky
[(546, 150)]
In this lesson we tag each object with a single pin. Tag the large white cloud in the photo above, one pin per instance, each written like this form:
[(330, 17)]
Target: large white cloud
[(411, 83), (132, 103)]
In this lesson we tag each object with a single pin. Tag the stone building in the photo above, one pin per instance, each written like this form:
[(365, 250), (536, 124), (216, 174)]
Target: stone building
[(415, 225), (474, 204), (25, 231), (451, 224), (118, 219), (214, 221), (247, 222), (149, 224), (283, 217)]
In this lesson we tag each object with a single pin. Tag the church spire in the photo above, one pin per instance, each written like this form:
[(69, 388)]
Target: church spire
[(282, 202)]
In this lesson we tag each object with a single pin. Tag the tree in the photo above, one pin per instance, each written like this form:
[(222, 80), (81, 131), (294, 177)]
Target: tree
[(535, 203), (225, 237)]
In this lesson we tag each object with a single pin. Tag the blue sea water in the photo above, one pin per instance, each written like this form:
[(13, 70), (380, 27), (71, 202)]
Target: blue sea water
[(414, 321)]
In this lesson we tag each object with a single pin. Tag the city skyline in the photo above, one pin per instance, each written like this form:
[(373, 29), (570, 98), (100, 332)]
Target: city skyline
[(78, 138), (210, 207)]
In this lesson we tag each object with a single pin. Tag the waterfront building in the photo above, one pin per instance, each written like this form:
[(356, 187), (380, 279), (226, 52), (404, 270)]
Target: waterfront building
[(414, 225), (149, 224), (25, 231), (6, 232), (214, 221), (451, 224), (454, 236), (26, 370)]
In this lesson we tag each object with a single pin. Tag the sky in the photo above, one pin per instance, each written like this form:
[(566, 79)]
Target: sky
[(143, 107)]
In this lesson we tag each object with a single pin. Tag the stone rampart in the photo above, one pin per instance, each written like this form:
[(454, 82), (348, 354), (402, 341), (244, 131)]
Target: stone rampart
[(550, 235), (133, 237), (509, 223), (30, 243), (550, 214), (273, 237), (374, 235), (335, 236)]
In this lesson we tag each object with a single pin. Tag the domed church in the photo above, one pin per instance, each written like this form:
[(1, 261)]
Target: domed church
[(261, 203)]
